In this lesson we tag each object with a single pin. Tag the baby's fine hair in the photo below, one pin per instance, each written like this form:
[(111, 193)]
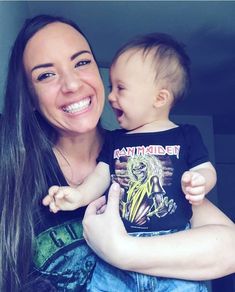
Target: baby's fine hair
[(172, 64)]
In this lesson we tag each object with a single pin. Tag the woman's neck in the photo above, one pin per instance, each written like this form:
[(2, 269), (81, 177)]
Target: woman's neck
[(82, 146), (77, 155)]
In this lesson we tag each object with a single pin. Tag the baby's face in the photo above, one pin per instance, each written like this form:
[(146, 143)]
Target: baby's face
[(133, 89)]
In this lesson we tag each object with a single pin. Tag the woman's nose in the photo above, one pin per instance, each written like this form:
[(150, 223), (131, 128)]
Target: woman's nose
[(70, 82)]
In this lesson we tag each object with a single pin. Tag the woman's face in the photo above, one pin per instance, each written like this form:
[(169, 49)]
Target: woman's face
[(64, 76)]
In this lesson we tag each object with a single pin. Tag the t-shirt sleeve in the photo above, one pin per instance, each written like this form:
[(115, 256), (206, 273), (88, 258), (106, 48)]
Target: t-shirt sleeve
[(197, 151)]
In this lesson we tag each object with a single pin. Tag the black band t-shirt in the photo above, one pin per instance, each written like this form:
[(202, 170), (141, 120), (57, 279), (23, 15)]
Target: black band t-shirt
[(149, 167)]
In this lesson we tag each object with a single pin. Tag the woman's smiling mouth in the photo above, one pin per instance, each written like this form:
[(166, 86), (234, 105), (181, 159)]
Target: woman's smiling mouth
[(77, 106)]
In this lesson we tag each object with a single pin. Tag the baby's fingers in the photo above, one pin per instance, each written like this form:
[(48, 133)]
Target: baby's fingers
[(60, 194), (198, 180), (196, 191), (53, 191), (47, 200), (50, 196), (53, 207), (195, 200), (186, 177)]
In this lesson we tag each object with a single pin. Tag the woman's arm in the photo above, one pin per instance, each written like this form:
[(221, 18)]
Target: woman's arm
[(204, 252)]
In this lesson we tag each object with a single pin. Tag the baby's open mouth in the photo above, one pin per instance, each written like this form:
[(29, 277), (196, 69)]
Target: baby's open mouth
[(118, 112)]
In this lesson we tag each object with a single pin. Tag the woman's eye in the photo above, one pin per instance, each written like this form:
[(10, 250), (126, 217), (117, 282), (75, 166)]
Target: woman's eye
[(82, 63), (44, 76)]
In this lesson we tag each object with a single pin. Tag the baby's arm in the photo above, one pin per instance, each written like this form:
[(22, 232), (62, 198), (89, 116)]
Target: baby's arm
[(68, 198), (198, 181)]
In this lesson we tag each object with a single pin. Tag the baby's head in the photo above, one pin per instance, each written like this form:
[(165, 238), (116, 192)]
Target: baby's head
[(168, 59)]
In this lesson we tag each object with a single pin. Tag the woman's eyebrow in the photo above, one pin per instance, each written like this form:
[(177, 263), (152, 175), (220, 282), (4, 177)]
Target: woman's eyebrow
[(74, 56), (46, 65)]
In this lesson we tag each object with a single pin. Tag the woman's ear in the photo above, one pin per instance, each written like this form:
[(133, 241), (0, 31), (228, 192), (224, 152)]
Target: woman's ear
[(163, 98)]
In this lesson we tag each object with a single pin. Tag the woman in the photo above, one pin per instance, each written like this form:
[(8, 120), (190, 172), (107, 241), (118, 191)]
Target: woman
[(49, 135)]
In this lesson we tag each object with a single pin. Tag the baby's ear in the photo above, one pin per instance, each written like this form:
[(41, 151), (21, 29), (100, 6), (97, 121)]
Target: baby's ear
[(163, 98)]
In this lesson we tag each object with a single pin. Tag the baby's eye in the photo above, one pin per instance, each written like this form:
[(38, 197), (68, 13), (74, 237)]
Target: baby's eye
[(44, 76), (82, 63), (120, 87)]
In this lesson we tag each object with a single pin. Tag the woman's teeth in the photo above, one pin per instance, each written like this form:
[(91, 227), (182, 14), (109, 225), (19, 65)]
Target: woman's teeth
[(77, 106)]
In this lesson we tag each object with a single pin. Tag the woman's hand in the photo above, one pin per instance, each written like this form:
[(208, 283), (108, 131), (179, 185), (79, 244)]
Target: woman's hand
[(202, 253), (104, 230)]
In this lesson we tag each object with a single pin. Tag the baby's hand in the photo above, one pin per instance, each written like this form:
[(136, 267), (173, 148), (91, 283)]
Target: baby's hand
[(62, 198), (193, 185)]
